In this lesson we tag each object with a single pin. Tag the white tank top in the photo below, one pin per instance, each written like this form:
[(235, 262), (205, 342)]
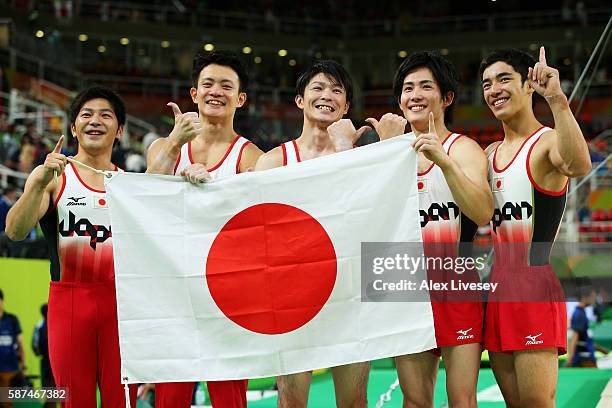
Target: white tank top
[(291, 154), (227, 166), (441, 220), (524, 212), (78, 231)]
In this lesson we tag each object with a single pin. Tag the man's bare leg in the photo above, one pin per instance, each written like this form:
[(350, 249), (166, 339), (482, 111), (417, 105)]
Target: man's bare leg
[(462, 364), (293, 390), (351, 385), (505, 375), (417, 376), (537, 374)]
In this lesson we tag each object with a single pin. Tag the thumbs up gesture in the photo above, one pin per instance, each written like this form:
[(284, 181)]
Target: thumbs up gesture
[(343, 134), (430, 145), (545, 79), (186, 125), (390, 125)]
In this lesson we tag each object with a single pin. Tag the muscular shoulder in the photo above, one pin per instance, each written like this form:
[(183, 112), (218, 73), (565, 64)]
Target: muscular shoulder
[(250, 155), (492, 147), (270, 160)]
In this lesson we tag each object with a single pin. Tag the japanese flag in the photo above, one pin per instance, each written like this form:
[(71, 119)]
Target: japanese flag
[(258, 274)]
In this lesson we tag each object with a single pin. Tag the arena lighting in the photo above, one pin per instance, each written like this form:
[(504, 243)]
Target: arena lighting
[(101, 48), (247, 50), (257, 60), (165, 44), (83, 37), (402, 54), (282, 52), (444, 51), (124, 41), (209, 47), (318, 55), (40, 34), (533, 46), (292, 62)]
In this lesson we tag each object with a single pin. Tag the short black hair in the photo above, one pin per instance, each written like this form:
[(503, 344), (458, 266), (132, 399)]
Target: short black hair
[(96, 92), (1, 295), (224, 58), (519, 60), (331, 69), (443, 71)]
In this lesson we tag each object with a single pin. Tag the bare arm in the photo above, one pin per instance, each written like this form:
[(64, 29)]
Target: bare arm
[(34, 201), (21, 351), (466, 176), (250, 155), (162, 156), (164, 153), (569, 152), (571, 349), (465, 172), (270, 160)]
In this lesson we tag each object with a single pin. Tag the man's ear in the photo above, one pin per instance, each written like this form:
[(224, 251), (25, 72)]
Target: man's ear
[(73, 130), (193, 92), (346, 108), (299, 101), (242, 97), (119, 132), (529, 89), (448, 100)]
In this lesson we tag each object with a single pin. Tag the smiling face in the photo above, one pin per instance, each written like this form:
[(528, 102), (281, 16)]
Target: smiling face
[(324, 100), (420, 95), (218, 93), (504, 90), (96, 126)]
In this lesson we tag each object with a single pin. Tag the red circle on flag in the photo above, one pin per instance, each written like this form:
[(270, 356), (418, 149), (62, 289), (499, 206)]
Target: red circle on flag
[(271, 268), (498, 184), (420, 185), (102, 201)]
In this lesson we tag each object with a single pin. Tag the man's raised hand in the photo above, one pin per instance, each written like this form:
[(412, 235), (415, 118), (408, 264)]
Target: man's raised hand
[(390, 125), (343, 134), (186, 125), (54, 164), (430, 145), (544, 79)]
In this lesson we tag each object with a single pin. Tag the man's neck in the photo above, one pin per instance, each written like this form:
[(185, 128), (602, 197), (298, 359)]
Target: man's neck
[(99, 161), (520, 126), (217, 132), (314, 138)]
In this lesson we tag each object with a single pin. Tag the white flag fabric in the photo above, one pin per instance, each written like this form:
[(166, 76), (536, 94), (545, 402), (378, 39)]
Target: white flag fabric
[(258, 274)]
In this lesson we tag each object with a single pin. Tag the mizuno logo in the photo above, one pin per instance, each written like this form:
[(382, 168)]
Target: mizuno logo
[(464, 334), (531, 340), (75, 201)]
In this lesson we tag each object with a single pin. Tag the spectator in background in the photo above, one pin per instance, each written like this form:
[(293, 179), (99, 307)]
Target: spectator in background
[(12, 351), (582, 347), (40, 346), (6, 202)]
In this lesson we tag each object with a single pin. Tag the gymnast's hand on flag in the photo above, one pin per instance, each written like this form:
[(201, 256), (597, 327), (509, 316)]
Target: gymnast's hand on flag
[(196, 173)]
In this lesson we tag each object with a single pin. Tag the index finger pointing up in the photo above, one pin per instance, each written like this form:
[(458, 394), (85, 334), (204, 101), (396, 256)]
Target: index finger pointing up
[(58, 146), (542, 56), (432, 124)]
